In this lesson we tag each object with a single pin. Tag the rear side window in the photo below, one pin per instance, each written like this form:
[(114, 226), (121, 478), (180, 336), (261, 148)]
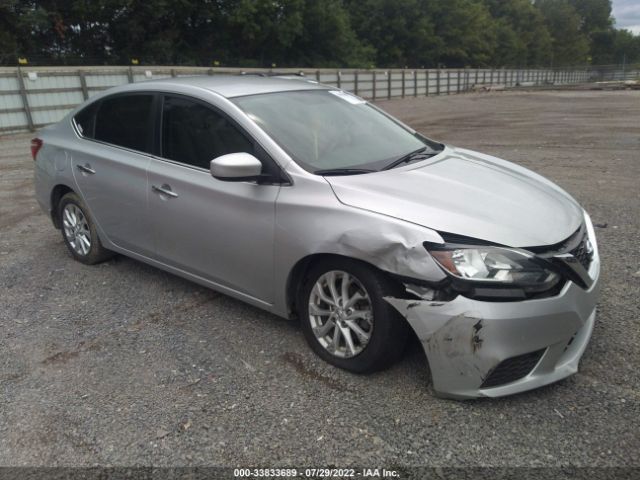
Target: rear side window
[(195, 134), (86, 120), (125, 121)]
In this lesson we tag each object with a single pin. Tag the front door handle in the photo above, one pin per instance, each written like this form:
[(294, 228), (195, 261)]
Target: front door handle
[(86, 168), (164, 190)]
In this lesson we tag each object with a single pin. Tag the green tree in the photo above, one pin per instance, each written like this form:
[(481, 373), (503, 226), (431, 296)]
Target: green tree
[(626, 47), (522, 36), (341, 33), (570, 44), (261, 31), (595, 15), (8, 40), (328, 39), (401, 31), (466, 30), (418, 33)]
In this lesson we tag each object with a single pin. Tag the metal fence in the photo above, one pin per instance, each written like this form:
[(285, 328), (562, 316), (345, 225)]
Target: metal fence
[(31, 97)]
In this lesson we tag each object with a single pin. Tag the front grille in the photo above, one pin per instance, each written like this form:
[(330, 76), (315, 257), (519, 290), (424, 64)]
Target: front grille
[(583, 253), (512, 369)]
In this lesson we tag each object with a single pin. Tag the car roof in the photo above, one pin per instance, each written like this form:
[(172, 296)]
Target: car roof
[(239, 85)]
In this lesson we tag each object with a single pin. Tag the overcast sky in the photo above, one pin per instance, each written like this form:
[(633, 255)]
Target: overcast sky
[(627, 14)]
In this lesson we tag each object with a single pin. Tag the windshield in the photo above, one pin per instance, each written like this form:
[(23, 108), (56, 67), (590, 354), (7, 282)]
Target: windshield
[(331, 129)]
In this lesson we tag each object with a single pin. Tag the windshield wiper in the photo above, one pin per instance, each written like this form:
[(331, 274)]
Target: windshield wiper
[(416, 154), (342, 171)]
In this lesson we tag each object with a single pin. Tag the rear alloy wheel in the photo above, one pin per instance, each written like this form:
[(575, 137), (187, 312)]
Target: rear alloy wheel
[(76, 229), (345, 318), (79, 231)]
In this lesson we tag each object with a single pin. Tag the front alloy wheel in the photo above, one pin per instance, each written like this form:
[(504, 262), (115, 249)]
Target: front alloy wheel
[(341, 314), (345, 318)]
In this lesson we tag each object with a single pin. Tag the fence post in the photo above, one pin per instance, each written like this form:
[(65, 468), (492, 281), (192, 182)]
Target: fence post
[(25, 100), (338, 75), (388, 84), (438, 82), (318, 76), (403, 79), (355, 81), (448, 82), (426, 83), (415, 83), (130, 74), (83, 85), (476, 81), (173, 72), (374, 85), (458, 80)]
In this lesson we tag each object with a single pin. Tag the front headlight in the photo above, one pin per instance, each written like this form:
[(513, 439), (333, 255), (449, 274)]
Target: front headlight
[(494, 265)]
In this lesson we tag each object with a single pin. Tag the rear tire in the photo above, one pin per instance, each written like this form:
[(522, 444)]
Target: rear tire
[(353, 307), (79, 231)]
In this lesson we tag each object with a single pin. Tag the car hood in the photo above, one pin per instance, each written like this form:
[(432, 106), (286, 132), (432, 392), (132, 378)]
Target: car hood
[(468, 193)]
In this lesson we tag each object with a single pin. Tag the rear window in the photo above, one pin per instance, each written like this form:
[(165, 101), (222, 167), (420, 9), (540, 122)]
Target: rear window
[(124, 121)]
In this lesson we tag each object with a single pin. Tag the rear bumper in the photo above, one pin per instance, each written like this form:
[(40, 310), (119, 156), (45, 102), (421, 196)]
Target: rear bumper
[(466, 340)]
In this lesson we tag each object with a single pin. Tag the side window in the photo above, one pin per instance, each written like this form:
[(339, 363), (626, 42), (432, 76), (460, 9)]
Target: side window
[(85, 120), (125, 121), (195, 134)]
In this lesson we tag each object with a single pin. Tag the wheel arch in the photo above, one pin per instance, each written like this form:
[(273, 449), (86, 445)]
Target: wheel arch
[(57, 193), (301, 268)]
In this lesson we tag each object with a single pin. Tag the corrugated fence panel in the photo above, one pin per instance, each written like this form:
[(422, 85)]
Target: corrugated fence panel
[(13, 120), (106, 80), (49, 82), (365, 84), (37, 100), (10, 102), (43, 117), (50, 92), (8, 83)]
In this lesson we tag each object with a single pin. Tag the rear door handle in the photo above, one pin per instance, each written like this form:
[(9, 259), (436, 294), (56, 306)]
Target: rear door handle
[(86, 169), (164, 190)]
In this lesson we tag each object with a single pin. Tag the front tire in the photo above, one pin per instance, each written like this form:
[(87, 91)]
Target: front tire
[(79, 231), (345, 318)]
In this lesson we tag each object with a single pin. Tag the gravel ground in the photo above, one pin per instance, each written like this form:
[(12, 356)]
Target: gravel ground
[(122, 364)]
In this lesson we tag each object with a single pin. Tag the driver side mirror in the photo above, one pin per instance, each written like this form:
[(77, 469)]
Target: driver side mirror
[(236, 167)]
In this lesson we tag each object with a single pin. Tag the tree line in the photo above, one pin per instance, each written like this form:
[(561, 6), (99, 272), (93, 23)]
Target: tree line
[(315, 33)]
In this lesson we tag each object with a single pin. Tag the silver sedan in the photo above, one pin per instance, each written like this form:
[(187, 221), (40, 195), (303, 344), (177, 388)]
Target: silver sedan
[(312, 203)]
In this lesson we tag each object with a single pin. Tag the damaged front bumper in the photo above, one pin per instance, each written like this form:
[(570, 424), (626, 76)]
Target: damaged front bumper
[(490, 349)]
